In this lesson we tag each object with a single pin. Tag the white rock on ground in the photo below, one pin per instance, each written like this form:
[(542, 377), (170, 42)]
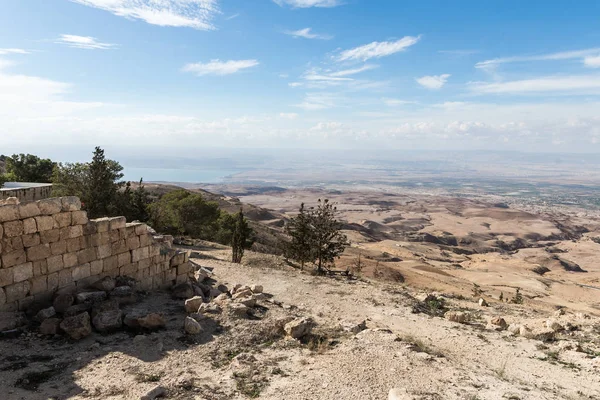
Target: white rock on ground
[(299, 327), (192, 305), (191, 326)]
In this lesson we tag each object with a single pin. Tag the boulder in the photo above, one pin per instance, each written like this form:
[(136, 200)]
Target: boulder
[(50, 326), (223, 298), (123, 295), (237, 310), (214, 293), (554, 325), (200, 275), (77, 327), (191, 326), (242, 293), (222, 288), (137, 319), (91, 297), (183, 291), (545, 335), (155, 393), (483, 303), (499, 322), (105, 284), (457, 316), (353, 327), (107, 321), (526, 332), (299, 327), (11, 320), (235, 288), (77, 309), (62, 302), (107, 305), (125, 281), (192, 305), (45, 314), (559, 312), (515, 329), (256, 288), (207, 308), (198, 316)]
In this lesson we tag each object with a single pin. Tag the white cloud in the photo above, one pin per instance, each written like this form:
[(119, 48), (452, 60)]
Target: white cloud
[(13, 51), (575, 84), (218, 67), (396, 102), (378, 49), (307, 33), (458, 52), (354, 71), (83, 42), (288, 115), (234, 16), (318, 101), (433, 82), (308, 3), (565, 55), (195, 14), (295, 84), (593, 62)]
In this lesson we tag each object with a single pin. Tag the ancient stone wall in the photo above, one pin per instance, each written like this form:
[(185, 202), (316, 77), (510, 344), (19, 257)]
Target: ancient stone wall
[(50, 245), (26, 191)]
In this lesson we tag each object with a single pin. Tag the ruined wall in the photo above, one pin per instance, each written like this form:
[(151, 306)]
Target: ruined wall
[(50, 245), (26, 192)]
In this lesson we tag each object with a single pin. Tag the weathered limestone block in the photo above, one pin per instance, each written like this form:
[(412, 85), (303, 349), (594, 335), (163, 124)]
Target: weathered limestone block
[(2, 297), (104, 251), (65, 277), (140, 254), (9, 212), (39, 252), (40, 267), (177, 259), (13, 228), (77, 327), (6, 277), (145, 263), (124, 259), (28, 210), (70, 259), (70, 203), (55, 263), (44, 223), (13, 258), (117, 223), (39, 284), (145, 240), (31, 240), (50, 206), (141, 229), (123, 235), (12, 244), (90, 228), (58, 248), (119, 247), (53, 282), (102, 224), (110, 263), (71, 232), (133, 243), (86, 255), (73, 245), (29, 226), (17, 291), (79, 218), (50, 236), (128, 269), (184, 269), (23, 272), (62, 220)]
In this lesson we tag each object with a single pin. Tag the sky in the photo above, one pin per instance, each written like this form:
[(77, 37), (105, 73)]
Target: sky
[(179, 75)]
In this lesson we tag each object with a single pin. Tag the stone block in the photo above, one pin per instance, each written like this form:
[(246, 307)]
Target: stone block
[(171, 274), (28, 210), (145, 240), (86, 255), (13, 258), (133, 243), (128, 270), (154, 249), (130, 229), (22, 272), (96, 267), (71, 232), (115, 236), (29, 226), (140, 254), (58, 248), (9, 212), (44, 223), (145, 263), (79, 218), (183, 269), (2, 297), (12, 244), (40, 267), (141, 229), (53, 281), (117, 223), (55, 263), (70, 259), (50, 206), (177, 259), (65, 278), (102, 224), (50, 236), (6, 277), (13, 228), (31, 240), (39, 284), (104, 251), (119, 247), (73, 245), (110, 263), (39, 252), (70, 203), (17, 291), (123, 233), (81, 272), (26, 303), (124, 259), (90, 228), (86, 241), (62, 220)]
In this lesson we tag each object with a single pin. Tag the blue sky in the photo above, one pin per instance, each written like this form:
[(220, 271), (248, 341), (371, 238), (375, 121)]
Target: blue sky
[(183, 74)]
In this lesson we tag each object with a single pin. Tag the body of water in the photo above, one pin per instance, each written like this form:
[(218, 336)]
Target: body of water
[(177, 175)]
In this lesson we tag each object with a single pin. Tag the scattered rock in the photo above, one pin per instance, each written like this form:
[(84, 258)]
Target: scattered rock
[(249, 302), (140, 319), (545, 335), (208, 308), (483, 303), (77, 309), (106, 284), (155, 393), (256, 288), (91, 297), (106, 321), (45, 314), (554, 325), (299, 327), (353, 327), (183, 291), (191, 326), (237, 310), (515, 329), (77, 327), (457, 316), (398, 394), (192, 305), (559, 312), (499, 322), (62, 302), (525, 332), (221, 299), (50, 326), (242, 293), (222, 288), (124, 295), (200, 275), (125, 281), (213, 293), (198, 316)]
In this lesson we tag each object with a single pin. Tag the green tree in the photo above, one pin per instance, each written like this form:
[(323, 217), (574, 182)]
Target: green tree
[(139, 202), (239, 238), (327, 240), (70, 179), (299, 247), (103, 185), (28, 168)]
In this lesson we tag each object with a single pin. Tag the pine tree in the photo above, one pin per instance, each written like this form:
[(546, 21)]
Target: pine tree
[(239, 238), (140, 201), (299, 247), (103, 184), (327, 241)]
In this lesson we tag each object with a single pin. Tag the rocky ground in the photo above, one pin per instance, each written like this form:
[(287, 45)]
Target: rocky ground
[(310, 337)]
